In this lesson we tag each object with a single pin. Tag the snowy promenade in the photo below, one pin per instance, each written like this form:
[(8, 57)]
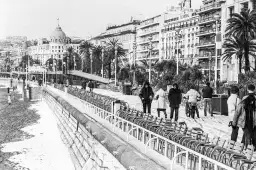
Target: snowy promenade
[(214, 126)]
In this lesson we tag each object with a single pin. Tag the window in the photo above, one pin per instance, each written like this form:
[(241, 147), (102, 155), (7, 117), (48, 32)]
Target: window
[(231, 11)]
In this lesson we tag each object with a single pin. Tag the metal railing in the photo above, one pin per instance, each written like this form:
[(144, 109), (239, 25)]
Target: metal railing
[(152, 141)]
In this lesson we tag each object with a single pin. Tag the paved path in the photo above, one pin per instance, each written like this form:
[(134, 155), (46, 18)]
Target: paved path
[(214, 126)]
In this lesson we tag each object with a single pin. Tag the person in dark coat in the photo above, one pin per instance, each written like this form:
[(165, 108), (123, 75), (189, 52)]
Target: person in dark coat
[(207, 95), (84, 85), (245, 117), (146, 95), (91, 85), (174, 98)]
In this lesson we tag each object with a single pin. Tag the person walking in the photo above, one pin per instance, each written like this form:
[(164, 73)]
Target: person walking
[(207, 95), (174, 98), (146, 95), (245, 117), (91, 85), (161, 102), (192, 97), (84, 85), (233, 102)]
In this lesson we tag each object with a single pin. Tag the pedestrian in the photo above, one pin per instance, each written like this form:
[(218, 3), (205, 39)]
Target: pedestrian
[(245, 117), (192, 97), (146, 95), (174, 98), (207, 95), (84, 85), (91, 85), (161, 102), (233, 102), (67, 82)]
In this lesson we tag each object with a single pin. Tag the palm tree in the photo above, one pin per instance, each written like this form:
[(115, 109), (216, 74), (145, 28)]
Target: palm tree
[(243, 27), (84, 51), (24, 61), (97, 58), (234, 46), (111, 45), (74, 58)]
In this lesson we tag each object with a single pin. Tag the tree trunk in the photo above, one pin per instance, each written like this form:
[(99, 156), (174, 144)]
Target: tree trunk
[(240, 64), (246, 57), (109, 70)]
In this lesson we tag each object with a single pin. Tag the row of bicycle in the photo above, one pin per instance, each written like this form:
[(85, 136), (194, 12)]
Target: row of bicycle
[(231, 153)]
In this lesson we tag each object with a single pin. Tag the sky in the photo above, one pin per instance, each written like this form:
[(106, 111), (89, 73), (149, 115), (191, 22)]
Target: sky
[(82, 18)]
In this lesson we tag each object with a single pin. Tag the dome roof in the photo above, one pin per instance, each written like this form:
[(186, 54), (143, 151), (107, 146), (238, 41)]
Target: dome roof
[(58, 34)]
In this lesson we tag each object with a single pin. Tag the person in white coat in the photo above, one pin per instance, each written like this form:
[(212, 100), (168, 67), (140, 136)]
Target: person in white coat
[(233, 102), (161, 102)]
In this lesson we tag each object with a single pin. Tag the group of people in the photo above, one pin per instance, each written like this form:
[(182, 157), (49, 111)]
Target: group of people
[(90, 85), (175, 97), (243, 112)]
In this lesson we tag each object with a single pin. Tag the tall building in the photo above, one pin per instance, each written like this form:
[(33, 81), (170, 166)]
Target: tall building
[(150, 27), (208, 47), (179, 33), (124, 33)]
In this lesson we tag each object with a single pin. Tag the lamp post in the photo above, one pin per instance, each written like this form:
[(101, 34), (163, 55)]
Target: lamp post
[(102, 57), (55, 69), (116, 65), (177, 33), (91, 59), (150, 53), (74, 62), (134, 59), (210, 64), (217, 18)]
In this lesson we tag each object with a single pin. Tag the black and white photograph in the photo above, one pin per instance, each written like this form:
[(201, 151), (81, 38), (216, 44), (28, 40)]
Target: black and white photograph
[(128, 85)]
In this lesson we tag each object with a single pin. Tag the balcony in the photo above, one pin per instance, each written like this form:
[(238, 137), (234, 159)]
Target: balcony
[(206, 32), (211, 7), (147, 41), (206, 20), (206, 44), (144, 33), (146, 50)]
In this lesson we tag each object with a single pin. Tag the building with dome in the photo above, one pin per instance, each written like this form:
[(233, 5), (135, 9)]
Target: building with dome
[(54, 47)]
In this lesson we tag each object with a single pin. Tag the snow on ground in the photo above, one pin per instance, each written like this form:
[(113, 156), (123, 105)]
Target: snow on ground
[(214, 126), (44, 151)]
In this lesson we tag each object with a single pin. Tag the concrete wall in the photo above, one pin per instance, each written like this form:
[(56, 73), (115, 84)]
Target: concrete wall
[(91, 145)]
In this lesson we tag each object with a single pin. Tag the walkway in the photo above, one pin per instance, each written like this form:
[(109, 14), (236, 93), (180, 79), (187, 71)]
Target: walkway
[(214, 126)]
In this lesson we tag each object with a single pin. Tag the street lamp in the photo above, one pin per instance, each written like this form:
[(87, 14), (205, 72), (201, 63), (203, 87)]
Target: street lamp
[(217, 18), (150, 53), (177, 34), (210, 64), (102, 57), (134, 59), (74, 62), (90, 50), (102, 60), (116, 47)]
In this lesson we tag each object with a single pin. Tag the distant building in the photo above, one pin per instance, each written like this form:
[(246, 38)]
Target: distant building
[(125, 33), (16, 38), (54, 47)]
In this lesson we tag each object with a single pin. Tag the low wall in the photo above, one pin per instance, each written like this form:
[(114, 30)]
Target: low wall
[(91, 145)]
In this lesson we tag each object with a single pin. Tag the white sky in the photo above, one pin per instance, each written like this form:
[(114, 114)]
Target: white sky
[(38, 18)]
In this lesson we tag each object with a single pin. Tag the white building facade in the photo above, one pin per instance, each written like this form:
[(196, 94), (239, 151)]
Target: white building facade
[(124, 33), (180, 34), (55, 48)]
